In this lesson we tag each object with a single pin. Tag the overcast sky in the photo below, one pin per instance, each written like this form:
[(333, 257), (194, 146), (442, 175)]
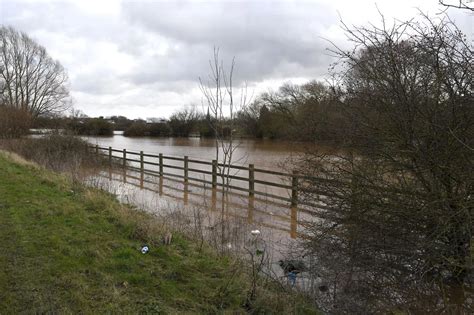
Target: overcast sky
[(144, 58)]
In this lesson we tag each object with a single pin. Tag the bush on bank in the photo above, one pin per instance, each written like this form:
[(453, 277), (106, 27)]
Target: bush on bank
[(13, 122), (56, 152)]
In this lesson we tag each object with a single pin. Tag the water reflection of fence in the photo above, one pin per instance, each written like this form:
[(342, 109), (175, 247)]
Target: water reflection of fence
[(251, 212)]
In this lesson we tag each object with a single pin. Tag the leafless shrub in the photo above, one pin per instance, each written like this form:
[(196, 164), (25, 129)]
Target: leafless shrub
[(66, 154), (394, 226), (13, 122), (222, 103)]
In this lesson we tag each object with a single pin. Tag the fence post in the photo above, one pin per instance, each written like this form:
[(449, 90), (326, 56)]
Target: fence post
[(213, 200), (161, 164), (251, 180), (251, 206), (214, 173), (294, 222), (185, 168), (294, 189), (142, 169), (160, 186), (110, 156)]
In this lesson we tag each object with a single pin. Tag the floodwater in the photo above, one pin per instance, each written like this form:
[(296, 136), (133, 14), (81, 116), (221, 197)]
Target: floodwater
[(263, 153)]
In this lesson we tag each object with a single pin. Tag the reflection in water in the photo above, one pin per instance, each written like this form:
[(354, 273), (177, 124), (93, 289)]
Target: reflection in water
[(169, 198)]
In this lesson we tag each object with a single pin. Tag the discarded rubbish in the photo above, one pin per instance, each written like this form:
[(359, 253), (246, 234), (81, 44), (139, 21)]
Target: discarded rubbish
[(145, 249), (292, 278), (255, 232)]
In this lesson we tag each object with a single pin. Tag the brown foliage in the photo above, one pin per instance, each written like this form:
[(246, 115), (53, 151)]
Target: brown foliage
[(56, 152), (13, 122), (396, 229)]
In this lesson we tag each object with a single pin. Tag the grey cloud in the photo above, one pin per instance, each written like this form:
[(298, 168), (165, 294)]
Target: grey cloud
[(239, 25), (58, 17), (265, 37), (96, 83)]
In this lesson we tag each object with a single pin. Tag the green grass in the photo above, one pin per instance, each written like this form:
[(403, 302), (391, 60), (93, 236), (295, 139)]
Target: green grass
[(66, 249)]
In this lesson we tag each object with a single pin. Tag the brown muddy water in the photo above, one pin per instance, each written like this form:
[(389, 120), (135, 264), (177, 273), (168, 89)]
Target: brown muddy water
[(263, 153)]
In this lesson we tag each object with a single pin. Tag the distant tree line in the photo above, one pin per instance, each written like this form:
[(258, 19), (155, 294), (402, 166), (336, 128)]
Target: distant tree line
[(76, 124), (304, 112)]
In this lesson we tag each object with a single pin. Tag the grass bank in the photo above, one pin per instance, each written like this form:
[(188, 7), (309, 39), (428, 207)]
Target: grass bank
[(67, 249)]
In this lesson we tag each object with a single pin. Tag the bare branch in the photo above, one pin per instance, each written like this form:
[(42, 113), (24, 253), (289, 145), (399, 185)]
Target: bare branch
[(29, 78)]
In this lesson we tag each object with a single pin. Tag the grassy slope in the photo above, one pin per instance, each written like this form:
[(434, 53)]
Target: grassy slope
[(63, 251)]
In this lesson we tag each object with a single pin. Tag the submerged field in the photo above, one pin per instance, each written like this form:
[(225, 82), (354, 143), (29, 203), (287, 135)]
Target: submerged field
[(66, 249)]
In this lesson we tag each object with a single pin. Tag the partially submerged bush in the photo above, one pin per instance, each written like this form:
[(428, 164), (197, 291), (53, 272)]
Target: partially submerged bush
[(159, 130), (137, 129), (91, 127)]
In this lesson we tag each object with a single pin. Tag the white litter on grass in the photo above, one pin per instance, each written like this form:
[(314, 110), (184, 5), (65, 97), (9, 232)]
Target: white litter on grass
[(145, 249), (255, 232), (229, 245)]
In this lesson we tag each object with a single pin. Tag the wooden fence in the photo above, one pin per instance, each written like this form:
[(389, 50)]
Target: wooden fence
[(210, 170)]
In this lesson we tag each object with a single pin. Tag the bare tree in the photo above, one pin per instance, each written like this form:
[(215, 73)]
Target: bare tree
[(223, 104), (394, 225), (29, 78)]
